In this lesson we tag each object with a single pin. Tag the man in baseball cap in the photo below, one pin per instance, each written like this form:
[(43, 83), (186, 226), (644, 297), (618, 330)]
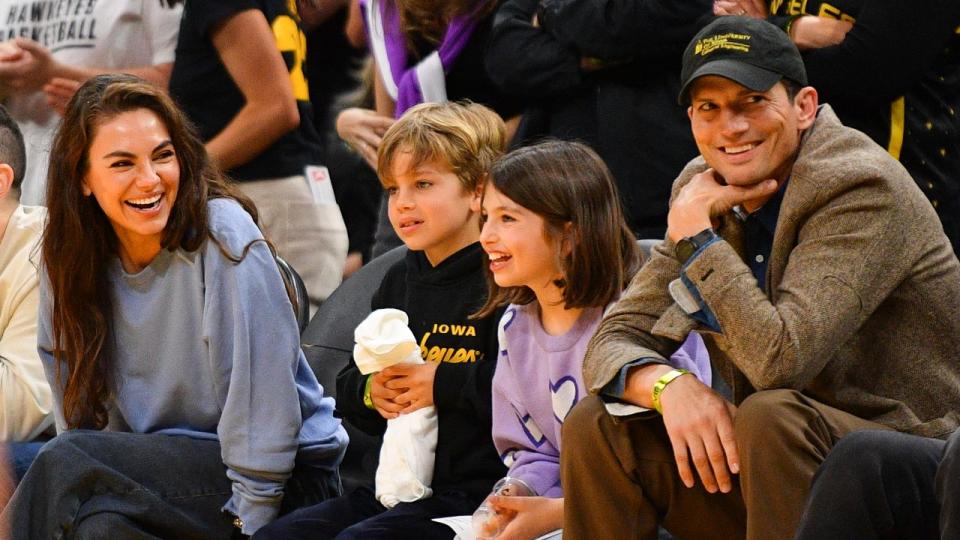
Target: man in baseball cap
[(748, 52), (818, 275)]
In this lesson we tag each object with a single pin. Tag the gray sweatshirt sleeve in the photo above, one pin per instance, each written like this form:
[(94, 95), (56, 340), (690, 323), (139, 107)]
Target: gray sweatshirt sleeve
[(254, 348)]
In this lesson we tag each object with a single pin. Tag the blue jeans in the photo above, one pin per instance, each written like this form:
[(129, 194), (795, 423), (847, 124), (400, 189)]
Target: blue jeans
[(91, 484)]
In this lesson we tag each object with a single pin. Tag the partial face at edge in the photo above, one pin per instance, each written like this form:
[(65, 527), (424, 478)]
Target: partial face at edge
[(745, 135)]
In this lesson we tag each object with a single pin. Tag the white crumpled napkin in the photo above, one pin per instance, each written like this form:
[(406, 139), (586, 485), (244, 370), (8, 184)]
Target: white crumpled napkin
[(384, 339), (409, 444)]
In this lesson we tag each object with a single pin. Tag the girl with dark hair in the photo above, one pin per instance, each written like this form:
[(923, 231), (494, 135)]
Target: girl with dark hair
[(559, 253), (165, 326)]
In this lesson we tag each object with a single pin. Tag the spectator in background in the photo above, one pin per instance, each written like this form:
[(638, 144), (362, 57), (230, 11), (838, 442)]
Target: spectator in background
[(424, 51), (47, 51), (334, 69), (890, 69), (606, 73), (239, 77), (25, 401), (168, 340)]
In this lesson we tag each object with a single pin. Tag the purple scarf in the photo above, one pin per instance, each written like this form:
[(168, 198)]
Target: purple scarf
[(406, 83)]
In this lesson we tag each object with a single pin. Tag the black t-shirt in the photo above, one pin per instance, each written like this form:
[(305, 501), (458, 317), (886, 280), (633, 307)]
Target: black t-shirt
[(204, 89)]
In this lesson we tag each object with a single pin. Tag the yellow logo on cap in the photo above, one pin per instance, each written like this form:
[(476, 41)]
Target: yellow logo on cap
[(730, 42)]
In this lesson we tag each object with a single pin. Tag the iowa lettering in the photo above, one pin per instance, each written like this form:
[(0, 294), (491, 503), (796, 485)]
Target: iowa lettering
[(452, 355)]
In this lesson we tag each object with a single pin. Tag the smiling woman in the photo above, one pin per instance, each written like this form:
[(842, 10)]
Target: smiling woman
[(163, 318), (134, 180)]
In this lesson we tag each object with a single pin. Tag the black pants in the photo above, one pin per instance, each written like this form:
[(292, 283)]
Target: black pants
[(91, 484), (886, 485), (358, 515)]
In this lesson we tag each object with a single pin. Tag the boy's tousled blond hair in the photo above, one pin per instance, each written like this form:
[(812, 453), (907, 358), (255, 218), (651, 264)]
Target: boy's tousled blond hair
[(467, 137)]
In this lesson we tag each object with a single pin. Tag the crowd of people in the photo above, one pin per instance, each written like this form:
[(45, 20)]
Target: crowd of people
[(781, 364)]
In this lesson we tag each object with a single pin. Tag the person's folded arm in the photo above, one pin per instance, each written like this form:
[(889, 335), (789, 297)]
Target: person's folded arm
[(625, 334), (521, 443), (248, 50), (524, 60), (891, 46), (253, 342), (614, 30), (351, 384), (835, 277)]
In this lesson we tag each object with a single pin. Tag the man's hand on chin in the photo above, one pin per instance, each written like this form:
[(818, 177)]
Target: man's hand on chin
[(704, 198)]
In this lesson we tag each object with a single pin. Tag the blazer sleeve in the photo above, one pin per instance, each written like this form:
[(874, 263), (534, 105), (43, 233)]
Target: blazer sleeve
[(625, 334), (839, 271)]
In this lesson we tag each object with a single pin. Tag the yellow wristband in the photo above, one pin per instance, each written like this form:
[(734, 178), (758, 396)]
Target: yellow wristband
[(367, 400), (662, 383)]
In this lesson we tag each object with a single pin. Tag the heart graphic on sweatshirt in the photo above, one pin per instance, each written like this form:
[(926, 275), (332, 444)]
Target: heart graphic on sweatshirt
[(532, 430), (564, 394), (504, 324)]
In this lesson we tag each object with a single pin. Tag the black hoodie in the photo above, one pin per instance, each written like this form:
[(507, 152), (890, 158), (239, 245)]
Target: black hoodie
[(438, 301)]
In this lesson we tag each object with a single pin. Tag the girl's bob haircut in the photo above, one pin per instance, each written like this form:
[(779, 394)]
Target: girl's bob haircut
[(570, 187)]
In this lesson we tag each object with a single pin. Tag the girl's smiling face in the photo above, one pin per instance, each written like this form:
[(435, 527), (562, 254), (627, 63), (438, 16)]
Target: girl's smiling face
[(516, 240), (134, 175)]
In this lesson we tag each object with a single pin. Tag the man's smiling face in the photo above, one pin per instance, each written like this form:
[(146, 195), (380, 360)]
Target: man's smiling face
[(745, 135)]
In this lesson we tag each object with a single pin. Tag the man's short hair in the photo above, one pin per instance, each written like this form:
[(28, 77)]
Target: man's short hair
[(12, 151)]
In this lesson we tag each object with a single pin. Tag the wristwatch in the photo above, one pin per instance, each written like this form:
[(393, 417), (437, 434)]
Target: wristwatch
[(689, 245)]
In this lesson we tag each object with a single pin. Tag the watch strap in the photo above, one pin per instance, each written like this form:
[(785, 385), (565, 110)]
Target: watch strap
[(689, 245)]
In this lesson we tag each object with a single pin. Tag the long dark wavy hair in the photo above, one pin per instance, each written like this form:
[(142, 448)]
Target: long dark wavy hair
[(568, 185), (79, 242)]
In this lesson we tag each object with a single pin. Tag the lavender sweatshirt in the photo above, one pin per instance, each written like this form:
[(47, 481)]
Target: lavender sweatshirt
[(538, 380)]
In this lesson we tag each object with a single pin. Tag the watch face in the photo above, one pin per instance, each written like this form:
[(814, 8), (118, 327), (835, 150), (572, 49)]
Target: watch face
[(684, 250)]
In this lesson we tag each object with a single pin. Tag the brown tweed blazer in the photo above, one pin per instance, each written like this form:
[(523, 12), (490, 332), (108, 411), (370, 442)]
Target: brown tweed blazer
[(862, 306)]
